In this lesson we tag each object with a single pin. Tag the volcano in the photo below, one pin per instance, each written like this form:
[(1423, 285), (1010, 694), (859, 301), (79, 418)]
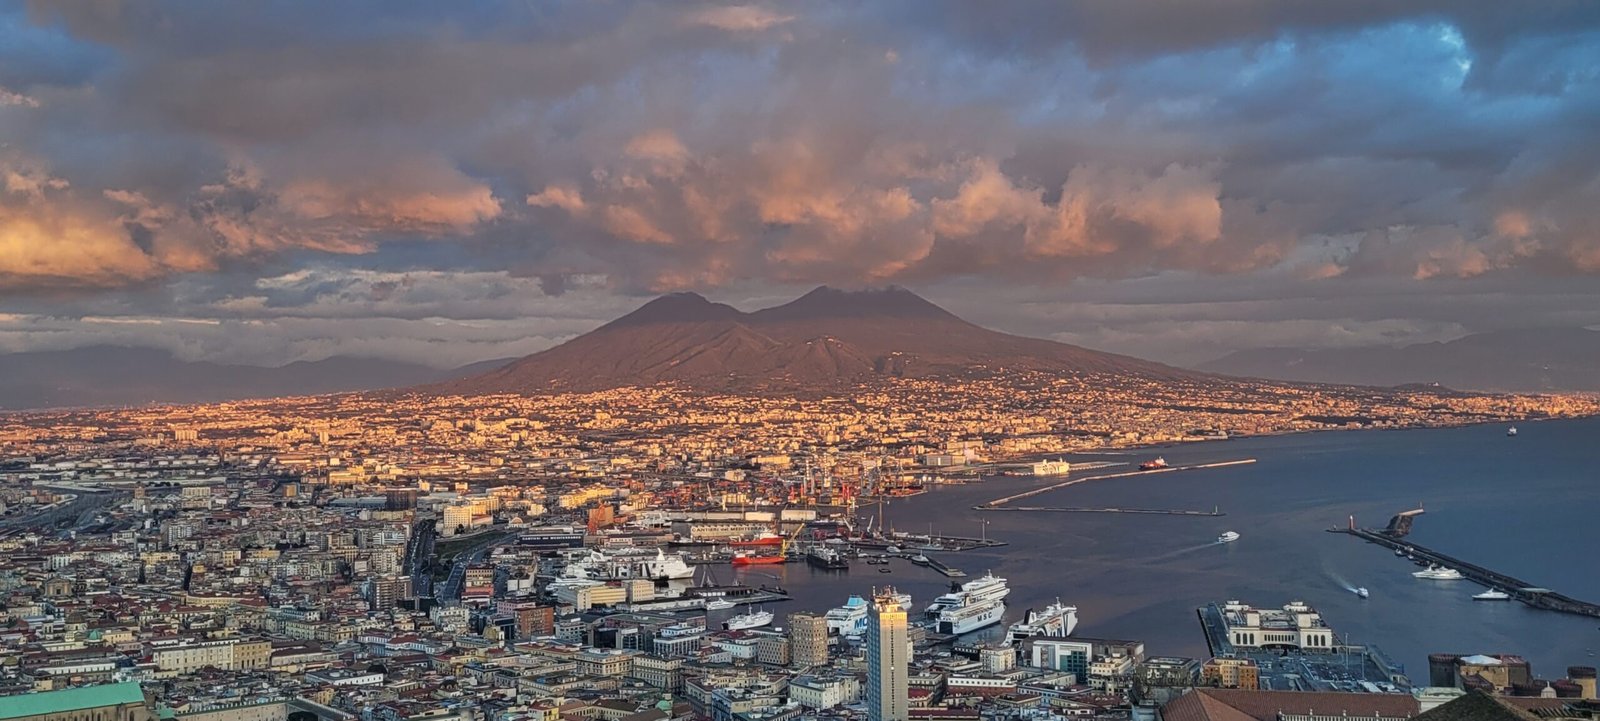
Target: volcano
[(825, 338)]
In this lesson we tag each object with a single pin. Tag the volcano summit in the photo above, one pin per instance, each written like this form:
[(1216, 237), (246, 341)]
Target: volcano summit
[(825, 338)]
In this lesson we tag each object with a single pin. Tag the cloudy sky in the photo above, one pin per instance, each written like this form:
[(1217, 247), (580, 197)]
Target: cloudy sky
[(449, 182)]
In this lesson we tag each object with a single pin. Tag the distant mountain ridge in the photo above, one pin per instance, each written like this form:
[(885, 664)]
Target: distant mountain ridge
[(825, 337), (119, 376), (1529, 360)]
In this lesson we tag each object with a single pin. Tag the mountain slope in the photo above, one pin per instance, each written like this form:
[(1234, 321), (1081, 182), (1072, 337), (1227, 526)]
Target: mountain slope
[(115, 376), (1532, 360), (825, 337)]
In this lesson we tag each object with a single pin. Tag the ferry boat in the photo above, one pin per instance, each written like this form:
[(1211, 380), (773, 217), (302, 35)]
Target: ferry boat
[(970, 616), (755, 558), (1493, 594), (1439, 573), (849, 620), (1227, 537), (754, 619), (1054, 620), (827, 558), (985, 588), (1154, 464)]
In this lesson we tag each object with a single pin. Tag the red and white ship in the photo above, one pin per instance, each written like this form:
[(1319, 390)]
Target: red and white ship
[(765, 538), (1153, 465)]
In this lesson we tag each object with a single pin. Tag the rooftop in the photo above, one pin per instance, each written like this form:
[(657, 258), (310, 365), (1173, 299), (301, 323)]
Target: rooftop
[(72, 699)]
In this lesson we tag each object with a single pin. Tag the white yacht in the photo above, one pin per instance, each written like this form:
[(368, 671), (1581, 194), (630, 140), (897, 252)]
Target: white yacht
[(720, 604), (1228, 537), (668, 566), (1054, 620), (754, 619), (1493, 594), (1439, 573)]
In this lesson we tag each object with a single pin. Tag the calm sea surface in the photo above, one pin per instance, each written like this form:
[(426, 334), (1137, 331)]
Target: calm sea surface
[(1528, 506)]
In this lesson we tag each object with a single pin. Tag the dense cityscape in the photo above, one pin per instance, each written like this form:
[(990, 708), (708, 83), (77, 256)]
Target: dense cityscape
[(799, 360), (392, 557)]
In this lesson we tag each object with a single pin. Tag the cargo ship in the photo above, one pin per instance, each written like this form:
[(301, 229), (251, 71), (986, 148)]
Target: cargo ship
[(1055, 620), (1154, 464), (827, 558), (754, 558)]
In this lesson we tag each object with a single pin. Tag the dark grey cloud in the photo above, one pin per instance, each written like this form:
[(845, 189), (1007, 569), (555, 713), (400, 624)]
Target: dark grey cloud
[(292, 163)]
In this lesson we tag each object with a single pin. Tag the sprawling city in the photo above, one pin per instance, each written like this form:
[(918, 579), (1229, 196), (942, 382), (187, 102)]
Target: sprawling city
[(1031, 360)]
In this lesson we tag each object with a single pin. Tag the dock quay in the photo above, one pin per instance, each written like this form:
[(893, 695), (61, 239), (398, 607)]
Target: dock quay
[(949, 572), (998, 502), (738, 594), (1086, 509), (1519, 589), (927, 542)]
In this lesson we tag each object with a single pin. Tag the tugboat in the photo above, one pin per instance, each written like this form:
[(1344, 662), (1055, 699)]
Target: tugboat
[(1154, 464)]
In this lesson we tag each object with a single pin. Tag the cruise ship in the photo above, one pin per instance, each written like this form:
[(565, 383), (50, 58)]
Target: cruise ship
[(850, 620), (754, 619), (970, 606), (970, 616), (1054, 620), (1439, 573), (986, 588)]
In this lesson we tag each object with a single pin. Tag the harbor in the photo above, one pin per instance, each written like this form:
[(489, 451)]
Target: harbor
[(1392, 537)]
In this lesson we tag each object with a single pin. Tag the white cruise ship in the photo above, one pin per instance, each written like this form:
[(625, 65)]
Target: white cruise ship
[(986, 588), (668, 566), (754, 619), (850, 620), (1054, 620), (970, 616)]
